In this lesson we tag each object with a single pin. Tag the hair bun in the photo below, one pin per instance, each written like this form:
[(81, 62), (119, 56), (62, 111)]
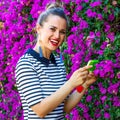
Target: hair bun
[(57, 4)]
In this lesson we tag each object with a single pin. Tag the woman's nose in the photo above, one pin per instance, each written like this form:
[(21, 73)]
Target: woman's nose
[(57, 34)]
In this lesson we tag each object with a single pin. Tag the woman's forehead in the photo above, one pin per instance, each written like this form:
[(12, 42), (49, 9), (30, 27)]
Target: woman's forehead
[(56, 21)]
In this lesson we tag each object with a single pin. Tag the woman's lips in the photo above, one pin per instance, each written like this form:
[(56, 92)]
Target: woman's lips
[(54, 42)]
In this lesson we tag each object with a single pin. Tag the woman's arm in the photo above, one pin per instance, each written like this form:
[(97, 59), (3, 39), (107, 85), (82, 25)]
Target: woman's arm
[(51, 102), (75, 97)]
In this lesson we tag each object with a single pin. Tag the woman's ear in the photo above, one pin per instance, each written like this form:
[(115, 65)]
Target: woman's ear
[(38, 28)]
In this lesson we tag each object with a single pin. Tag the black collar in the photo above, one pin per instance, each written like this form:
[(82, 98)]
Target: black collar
[(42, 59)]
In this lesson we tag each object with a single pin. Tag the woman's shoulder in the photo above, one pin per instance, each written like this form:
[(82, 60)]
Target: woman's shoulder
[(25, 59)]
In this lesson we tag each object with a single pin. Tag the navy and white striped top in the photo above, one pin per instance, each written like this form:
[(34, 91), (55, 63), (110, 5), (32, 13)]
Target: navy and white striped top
[(37, 78)]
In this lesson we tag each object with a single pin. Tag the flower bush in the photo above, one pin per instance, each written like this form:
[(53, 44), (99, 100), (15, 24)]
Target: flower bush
[(93, 34)]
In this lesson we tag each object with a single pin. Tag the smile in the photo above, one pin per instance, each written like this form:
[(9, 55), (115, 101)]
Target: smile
[(54, 42)]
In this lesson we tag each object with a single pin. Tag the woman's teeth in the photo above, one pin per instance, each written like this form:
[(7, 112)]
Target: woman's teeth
[(54, 42)]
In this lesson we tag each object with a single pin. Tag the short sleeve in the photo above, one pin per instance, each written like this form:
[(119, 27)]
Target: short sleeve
[(28, 82)]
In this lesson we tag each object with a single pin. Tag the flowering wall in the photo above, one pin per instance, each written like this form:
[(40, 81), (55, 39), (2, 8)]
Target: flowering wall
[(94, 33)]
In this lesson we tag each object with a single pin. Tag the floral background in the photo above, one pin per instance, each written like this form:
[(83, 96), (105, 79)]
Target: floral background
[(93, 33)]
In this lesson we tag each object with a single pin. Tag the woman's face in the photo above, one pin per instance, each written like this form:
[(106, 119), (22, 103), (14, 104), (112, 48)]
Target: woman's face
[(52, 33)]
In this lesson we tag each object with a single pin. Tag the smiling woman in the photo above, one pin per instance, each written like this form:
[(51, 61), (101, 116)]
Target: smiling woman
[(41, 77), (55, 27)]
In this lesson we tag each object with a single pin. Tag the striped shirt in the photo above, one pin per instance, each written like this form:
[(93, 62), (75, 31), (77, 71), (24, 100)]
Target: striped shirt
[(37, 78)]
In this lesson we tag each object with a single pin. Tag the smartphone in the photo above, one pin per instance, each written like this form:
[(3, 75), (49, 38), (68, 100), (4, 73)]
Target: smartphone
[(92, 63)]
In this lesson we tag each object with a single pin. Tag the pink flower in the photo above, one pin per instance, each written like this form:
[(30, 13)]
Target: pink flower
[(106, 115), (90, 13), (96, 3), (89, 98), (111, 36), (98, 34), (83, 24), (99, 16), (103, 98), (86, 1)]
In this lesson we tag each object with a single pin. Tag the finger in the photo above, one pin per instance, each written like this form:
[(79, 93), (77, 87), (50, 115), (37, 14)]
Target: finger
[(84, 73), (88, 67), (91, 74), (84, 78), (85, 68)]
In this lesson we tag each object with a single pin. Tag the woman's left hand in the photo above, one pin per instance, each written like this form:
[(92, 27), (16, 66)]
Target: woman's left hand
[(90, 79)]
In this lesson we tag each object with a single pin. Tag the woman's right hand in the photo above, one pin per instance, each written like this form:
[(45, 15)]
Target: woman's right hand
[(79, 76)]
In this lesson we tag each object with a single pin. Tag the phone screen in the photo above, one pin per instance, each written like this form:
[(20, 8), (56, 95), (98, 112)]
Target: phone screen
[(93, 63)]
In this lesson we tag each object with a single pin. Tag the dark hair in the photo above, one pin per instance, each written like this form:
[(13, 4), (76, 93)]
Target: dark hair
[(52, 9)]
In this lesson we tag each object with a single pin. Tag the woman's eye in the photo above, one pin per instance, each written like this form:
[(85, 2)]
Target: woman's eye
[(52, 29), (63, 32)]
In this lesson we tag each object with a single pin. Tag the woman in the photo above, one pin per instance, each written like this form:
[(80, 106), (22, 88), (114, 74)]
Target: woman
[(41, 78)]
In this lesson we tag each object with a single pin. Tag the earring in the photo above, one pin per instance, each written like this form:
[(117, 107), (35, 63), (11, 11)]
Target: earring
[(40, 52), (61, 60)]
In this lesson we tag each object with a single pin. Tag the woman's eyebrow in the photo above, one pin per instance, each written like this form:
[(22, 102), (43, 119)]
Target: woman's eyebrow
[(52, 26), (56, 28)]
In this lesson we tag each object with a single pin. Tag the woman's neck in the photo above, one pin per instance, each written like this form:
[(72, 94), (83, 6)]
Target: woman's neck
[(45, 52)]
